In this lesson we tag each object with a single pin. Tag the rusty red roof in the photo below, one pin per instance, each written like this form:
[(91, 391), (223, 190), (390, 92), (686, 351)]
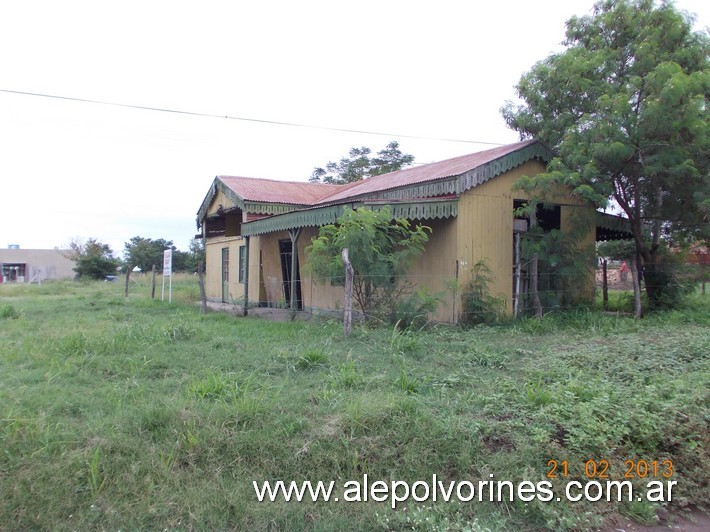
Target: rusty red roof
[(274, 191), (423, 173), (316, 194)]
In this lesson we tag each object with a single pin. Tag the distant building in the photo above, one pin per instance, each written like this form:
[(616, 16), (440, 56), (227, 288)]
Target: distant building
[(24, 265)]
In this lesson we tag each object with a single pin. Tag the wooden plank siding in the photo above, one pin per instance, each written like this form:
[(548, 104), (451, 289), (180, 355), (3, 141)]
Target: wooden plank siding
[(437, 265), (485, 227)]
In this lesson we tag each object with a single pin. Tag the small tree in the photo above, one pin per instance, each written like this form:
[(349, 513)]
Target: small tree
[(381, 249), (359, 165), (93, 259), (479, 306)]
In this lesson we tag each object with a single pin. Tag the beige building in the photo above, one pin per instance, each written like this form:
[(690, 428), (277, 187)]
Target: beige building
[(256, 230), (25, 265)]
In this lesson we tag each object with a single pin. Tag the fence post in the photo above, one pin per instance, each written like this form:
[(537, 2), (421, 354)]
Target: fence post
[(152, 282), (605, 286), (638, 309), (349, 273), (128, 276), (201, 282), (533, 287)]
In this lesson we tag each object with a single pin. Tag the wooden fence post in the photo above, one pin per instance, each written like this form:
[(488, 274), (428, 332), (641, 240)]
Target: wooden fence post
[(533, 287), (128, 276), (349, 273), (605, 286), (152, 282), (201, 282), (638, 309)]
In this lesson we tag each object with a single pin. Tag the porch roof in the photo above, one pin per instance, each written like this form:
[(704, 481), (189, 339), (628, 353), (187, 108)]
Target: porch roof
[(611, 227), (316, 216)]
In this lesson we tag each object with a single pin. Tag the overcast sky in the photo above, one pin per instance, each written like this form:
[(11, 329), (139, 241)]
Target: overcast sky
[(440, 70)]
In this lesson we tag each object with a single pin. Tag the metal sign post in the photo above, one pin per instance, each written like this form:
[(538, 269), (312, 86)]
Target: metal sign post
[(168, 272)]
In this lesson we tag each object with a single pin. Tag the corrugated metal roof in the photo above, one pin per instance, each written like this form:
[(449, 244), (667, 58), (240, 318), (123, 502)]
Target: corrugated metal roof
[(423, 173), (316, 194), (273, 191)]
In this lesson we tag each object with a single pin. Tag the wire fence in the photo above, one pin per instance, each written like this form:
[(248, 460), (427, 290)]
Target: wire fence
[(447, 299)]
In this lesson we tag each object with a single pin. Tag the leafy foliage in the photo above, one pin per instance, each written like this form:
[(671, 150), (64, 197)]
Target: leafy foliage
[(413, 310), (146, 252), (359, 165), (624, 106), (381, 249), (617, 249), (479, 306), (93, 259)]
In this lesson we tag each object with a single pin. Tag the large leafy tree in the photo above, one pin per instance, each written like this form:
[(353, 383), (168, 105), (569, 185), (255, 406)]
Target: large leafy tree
[(624, 106), (92, 258), (381, 248), (360, 165), (145, 252)]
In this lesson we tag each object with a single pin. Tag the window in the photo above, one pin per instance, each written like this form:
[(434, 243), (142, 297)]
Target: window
[(242, 263)]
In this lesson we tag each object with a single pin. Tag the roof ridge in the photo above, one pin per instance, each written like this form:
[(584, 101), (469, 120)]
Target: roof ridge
[(272, 180), (506, 149)]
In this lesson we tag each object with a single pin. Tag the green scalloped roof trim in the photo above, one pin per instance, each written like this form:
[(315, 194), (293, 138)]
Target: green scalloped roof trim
[(293, 220), (425, 210), (617, 225), (463, 182)]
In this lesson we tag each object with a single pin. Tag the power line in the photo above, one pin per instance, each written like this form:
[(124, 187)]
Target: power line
[(242, 118)]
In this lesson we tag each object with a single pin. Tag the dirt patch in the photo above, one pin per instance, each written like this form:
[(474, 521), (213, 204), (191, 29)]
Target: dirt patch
[(274, 314), (692, 521)]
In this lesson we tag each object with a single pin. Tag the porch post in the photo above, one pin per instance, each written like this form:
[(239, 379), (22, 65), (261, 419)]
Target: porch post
[(246, 276), (294, 234)]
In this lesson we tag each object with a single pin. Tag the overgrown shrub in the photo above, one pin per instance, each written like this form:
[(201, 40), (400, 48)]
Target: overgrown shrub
[(414, 310), (479, 306), (8, 311)]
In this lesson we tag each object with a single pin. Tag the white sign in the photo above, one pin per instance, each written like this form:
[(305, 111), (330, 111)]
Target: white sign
[(168, 262), (168, 272)]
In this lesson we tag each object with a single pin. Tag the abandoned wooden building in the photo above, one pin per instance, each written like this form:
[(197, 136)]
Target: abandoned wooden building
[(256, 230)]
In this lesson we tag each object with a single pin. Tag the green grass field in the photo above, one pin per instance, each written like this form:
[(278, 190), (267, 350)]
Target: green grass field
[(127, 413)]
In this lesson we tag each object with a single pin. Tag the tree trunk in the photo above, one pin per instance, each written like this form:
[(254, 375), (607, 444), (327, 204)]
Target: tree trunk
[(533, 287), (349, 273), (201, 282), (638, 310)]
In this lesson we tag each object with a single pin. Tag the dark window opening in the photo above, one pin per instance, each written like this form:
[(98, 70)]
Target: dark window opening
[(14, 272), (549, 218), (286, 250)]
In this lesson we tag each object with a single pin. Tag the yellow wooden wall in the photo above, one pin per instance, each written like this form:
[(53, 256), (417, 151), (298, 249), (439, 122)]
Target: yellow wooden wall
[(437, 265), (485, 229), (219, 199), (213, 270)]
